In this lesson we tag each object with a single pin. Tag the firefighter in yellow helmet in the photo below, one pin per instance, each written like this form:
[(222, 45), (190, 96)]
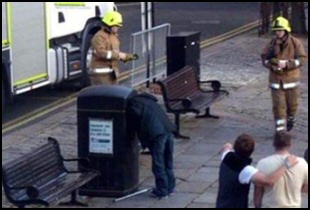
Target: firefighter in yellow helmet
[(104, 65), (283, 56)]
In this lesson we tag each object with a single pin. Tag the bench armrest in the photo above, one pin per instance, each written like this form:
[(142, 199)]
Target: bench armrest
[(176, 99), (186, 102), (31, 191), (73, 159), (215, 84), (84, 165), (17, 187)]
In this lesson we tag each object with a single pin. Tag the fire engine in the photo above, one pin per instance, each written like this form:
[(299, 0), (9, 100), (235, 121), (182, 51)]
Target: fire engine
[(46, 43)]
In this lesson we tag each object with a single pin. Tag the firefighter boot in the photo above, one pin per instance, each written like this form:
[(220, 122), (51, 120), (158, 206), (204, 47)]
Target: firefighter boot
[(290, 123)]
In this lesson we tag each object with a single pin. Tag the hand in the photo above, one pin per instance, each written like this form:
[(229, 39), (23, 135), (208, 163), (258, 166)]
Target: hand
[(122, 56), (276, 69), (131, 57), (290, 161), (274, 61), (227, 147), (282, 64)]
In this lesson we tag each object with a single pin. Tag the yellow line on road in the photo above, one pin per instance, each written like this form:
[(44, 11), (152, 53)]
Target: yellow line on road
[(230, 34), (7, 127)]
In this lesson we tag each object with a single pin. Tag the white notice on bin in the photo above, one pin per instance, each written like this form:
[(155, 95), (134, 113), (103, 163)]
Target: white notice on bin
[(100, 136)]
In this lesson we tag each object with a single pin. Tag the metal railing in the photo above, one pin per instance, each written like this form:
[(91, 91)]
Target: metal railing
[(150, 45)]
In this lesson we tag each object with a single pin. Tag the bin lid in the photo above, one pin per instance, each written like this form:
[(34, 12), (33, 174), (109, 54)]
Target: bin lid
[(111, 91), (185, 34), (105, 97)]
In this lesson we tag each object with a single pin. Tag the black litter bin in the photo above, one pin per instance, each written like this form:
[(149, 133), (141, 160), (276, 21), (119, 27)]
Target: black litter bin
[(107, 140), (183, 49)]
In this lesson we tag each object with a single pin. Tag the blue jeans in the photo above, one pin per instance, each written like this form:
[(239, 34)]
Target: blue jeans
[(162, 163)]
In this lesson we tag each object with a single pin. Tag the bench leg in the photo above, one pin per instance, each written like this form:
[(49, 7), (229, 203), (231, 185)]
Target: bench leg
[(208, 115), (73, 201), (177, 123)]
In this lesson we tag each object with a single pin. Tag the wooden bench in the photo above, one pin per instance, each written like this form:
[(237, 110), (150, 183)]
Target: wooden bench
[(182, 94), (40, 177)]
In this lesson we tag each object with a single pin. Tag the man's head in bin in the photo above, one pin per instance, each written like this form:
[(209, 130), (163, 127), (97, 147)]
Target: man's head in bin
[(155, 132)]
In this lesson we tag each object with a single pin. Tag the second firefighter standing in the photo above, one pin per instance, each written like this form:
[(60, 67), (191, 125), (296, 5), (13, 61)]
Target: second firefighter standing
[(283, 56)]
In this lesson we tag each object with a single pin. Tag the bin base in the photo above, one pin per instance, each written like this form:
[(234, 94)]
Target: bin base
[(107, 193)]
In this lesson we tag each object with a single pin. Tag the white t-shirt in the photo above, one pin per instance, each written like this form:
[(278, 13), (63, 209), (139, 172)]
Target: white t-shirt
[(246, 174), (286, 192)]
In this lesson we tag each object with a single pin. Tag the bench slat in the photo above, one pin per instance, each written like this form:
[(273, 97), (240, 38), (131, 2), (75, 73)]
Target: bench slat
[(181, 84)]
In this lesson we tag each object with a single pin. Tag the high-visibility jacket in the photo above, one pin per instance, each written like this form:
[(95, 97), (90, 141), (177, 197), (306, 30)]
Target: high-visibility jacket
[(105, 45), (293, 52)]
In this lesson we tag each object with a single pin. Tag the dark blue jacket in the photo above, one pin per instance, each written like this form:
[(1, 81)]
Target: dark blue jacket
[(149, 118), (231, 193)]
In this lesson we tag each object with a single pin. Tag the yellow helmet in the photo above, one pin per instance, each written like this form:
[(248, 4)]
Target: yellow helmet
[(281, 23), (113, 18)]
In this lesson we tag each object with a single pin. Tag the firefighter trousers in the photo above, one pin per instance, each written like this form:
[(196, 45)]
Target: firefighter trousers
[(284, 102), (103, 79)]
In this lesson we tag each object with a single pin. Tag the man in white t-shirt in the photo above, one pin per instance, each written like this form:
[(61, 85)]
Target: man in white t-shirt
[(286, 192), (236, 173)]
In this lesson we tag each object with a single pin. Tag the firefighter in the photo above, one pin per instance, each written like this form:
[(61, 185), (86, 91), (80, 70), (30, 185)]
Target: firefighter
[(283, 56), (104, 65)]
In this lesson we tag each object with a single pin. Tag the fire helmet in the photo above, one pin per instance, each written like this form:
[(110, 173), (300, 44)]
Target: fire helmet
[(113, 18), (281, 23)]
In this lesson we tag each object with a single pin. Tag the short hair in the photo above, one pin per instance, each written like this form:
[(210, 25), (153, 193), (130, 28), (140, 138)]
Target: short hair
[(244, 145), (282, 140)]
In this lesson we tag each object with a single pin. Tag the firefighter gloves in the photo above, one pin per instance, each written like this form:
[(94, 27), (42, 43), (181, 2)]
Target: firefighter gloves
[(131, 57), (274, 65)]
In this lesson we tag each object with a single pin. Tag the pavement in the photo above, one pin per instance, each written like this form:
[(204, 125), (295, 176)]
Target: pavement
[(236, 63)]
